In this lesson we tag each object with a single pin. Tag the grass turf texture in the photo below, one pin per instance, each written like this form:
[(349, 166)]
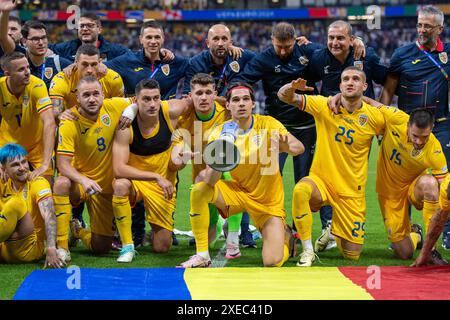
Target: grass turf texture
[(375, 251)]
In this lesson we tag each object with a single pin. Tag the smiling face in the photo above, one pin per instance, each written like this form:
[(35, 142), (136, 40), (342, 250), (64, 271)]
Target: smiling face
[(19, 72), (17, 169), (152, 39), (428, 29), (339, 41)]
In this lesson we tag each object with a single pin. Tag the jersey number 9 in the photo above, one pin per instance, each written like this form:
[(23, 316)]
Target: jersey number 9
[(101, 146)]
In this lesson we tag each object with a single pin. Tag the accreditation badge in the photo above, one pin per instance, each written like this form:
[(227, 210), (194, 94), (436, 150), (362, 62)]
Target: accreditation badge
[(165, 69)]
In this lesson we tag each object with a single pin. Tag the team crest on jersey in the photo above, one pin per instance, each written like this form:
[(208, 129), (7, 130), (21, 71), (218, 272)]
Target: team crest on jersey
[(257, 140), (415, 152), (235, 66), (165, 69), (359, 65), (443, 57), (48, 73), (106, 120), (25, 101), (362, 119), (303, 60)]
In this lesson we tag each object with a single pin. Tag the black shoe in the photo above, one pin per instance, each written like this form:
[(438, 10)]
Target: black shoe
[(174, 239), (437, 259), (416, 228), (192, 242), (246, 240), (138, 240)]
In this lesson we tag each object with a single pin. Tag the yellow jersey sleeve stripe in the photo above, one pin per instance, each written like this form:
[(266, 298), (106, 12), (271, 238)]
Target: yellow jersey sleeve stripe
[(56, 96), (440, 175), (45, 197), (65, 153), (303, 106), (45, 108)]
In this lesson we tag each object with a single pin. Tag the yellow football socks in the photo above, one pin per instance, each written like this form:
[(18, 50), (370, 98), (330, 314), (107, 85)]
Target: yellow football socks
[(63, 212), (201, 195), (122, 215)]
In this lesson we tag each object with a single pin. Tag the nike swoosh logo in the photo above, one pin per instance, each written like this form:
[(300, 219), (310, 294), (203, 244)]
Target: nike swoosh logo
[(120, 218), (7, 195), (3, 217), (194, 214), (83, 132), (60, 214), (299, 217)]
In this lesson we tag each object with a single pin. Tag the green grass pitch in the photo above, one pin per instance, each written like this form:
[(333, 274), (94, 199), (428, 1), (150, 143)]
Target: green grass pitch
[(375, 250)]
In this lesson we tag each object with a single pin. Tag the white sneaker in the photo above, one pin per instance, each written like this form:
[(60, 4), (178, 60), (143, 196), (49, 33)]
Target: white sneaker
[(196, 261), (307, 257), (326, 240), (64, 255), (127, 253), (233, 251)]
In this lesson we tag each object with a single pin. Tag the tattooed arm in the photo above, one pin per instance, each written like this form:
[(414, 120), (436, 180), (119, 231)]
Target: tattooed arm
[(48, 214)]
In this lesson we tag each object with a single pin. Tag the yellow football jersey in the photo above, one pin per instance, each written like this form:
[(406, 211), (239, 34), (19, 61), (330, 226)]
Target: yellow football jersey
[(64, 88), (90, 142), (258, 172), (343, 144), (157, 163), (444, 202), (196, 133), (398, 162), (32, 193), (21, 122)]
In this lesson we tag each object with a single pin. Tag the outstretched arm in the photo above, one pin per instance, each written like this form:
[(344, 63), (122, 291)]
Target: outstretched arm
[(7, 43), (287, 92)]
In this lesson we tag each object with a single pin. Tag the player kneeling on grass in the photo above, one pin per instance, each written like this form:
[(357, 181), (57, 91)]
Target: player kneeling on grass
[(141, 157), (338, 173), (27, 217), (84, 159), (256, 185)]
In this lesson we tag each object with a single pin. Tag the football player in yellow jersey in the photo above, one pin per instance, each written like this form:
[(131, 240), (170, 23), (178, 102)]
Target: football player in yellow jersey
[(63, 89), (338, 173), (30, 224), (259, 140), (141, 157), (194, 129), (408, 150), (84, 160), (26, 114), (437, 224)]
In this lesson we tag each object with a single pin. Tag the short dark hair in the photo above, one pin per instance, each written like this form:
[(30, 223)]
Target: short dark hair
[(32, 24), (146, 84), (355, 69), (151, 24), (422, 118), (6, 60), (342, 23), (16, 19), (87, 49), (202, 79), (283, 31), (92, 16), (240, 85), (88, 79)]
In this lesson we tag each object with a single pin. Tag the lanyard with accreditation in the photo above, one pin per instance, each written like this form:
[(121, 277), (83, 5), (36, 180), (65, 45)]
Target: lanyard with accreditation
[(429, 56)]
